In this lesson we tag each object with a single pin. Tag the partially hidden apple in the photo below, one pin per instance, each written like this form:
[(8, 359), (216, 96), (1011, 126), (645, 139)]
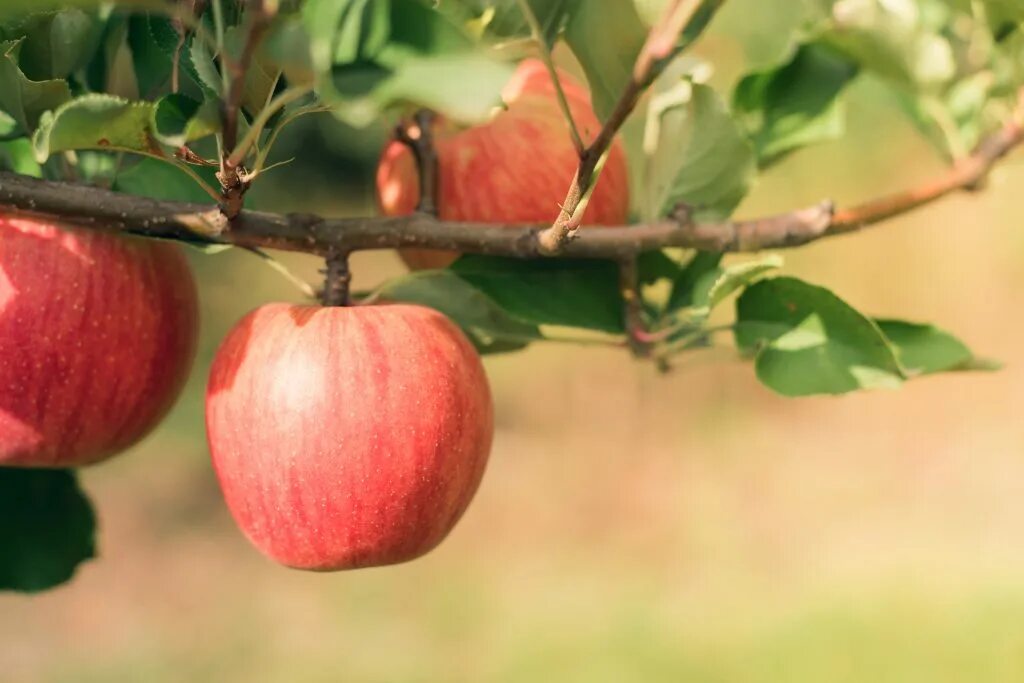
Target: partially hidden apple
[(515, 168), (97, 336), (347, 437)]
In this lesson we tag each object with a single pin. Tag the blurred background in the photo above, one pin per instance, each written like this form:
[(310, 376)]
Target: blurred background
[(688, 527)]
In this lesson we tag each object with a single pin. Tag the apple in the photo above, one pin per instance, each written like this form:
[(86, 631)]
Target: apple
[(97, 336), (515, 168), (347, 437)]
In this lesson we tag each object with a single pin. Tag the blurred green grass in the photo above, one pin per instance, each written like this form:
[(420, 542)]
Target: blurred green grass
[(692, 527)]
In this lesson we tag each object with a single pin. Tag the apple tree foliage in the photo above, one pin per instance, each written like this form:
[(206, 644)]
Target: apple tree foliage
[(106, 92)]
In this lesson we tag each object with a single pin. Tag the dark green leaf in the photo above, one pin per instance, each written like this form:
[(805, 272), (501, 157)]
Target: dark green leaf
[(698, 269), (159, 180), (178, 119), (55, 44), (570, 293), (47, 528), (808, 341), (796, 104), (490, 327), (23, 99), (20, 8)]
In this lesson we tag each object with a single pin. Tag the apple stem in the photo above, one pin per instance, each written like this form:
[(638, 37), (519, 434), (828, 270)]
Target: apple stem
[(337, 279), (419, 138)]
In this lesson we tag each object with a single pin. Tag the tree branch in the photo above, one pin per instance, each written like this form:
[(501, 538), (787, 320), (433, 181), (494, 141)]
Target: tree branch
[(657, 47), (96, 208)]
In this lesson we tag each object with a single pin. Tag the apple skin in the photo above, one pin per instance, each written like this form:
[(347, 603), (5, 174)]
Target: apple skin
[(97, 336), (347, 437), (516, 168)]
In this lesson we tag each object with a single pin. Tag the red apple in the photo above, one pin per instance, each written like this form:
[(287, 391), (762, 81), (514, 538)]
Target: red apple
[(347, 437), (97, 336), (516, 168)]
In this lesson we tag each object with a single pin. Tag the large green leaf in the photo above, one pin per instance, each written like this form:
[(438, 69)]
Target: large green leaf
[(54, 43), (697, 154), (606, 37), (569, 293), (97, 122), (47, 528), (23, 99), (809, 341), (491, 328), (796, 104)]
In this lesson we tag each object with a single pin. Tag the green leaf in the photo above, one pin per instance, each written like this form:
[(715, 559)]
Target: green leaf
[(23, 99), (899, 41), (704, 264), (345, 31), (177, 119), (491, 328), (715, 287), (159, 180), (47, 528), (55, 44), (97, 122), (464, 87), (925, 349), (606, 37), (809, 341), (16, 155), (204, 66), (20, 8), (568, 293), (697, 154), (796, 104), (504, 19)]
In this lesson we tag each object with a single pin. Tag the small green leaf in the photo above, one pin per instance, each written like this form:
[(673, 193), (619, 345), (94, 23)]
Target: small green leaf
[(345, 31), (47, 528), (925, 349), (697, 154), (796, 104), (204, 66), (809, 341), (717, 286), (567, 293), (491, 328), (97, 122), (178, 119)]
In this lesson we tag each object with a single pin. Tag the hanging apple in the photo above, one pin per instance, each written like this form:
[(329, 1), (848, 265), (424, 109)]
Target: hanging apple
[(347, 437)]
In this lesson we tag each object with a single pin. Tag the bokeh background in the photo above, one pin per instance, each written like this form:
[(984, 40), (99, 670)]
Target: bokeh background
[(689, 527)]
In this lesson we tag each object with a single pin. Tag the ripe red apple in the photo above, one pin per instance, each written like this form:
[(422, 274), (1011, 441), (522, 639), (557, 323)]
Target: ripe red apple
[(97, 336), (516, 168), (347, 437)]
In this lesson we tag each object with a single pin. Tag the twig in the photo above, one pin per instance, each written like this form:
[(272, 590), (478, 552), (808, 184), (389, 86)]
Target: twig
[(545, 55), (233, 184), (100, 209), (420, 141), (637, 334), (652, 58)]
